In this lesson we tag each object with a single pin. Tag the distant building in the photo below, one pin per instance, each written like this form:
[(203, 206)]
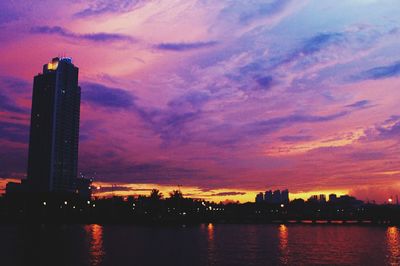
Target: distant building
[(84, 188), (322, 198), (285, 196), (268, 196), (313, 198), (276, 197), (259, 197), (332, 197), (349, 200)]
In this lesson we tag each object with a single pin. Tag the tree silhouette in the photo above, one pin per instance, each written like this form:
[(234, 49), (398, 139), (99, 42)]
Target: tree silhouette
[(176, 194), (155, 194)]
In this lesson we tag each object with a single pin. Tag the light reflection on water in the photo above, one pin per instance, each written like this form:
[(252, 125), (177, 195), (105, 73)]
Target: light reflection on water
[(96, 250), (210, 244), (210, 230), (283, 244), (393, 242)]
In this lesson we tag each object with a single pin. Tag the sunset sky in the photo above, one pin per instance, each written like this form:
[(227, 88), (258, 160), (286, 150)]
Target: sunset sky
[(220, 98)]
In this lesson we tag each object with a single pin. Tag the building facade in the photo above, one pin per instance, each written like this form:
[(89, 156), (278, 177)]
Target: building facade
[(54, 131)]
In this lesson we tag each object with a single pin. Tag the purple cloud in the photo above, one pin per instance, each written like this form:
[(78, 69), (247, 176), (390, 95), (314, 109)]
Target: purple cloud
[(13, 84), (101, 95), (266, 82), (100, 7), (246, 13), (274, 124), (359, 105), (14, 132), (184, 46), (296, 138), (228, 193), (381, 72), (9, 105), (94, 37)]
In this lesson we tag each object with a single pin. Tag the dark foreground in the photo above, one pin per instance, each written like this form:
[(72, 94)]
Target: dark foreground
[(64, 209), (205, 244)]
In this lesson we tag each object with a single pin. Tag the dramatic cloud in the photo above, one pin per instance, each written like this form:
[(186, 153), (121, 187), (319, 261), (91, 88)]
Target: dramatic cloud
[(247, 13), (94, 37), (382, 72), (14, 132), (296, 138), (359, 104), (221, 97), (180, 47), (274, 124), (392, 131), (265, 82), (100, 95), (100, 7), (317, 42), (228, 193), (13, 84), (7, 104)]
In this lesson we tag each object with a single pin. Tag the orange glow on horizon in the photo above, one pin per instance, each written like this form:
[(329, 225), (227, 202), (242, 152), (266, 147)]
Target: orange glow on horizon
[(216, 195)]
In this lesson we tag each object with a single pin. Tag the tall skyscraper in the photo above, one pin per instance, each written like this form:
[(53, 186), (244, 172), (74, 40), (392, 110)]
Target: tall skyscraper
[(54, 132)]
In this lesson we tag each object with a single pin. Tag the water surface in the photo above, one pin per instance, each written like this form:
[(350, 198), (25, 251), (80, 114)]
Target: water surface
[(205, 244)]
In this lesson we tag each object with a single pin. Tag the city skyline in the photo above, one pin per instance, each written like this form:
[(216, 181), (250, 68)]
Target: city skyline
[(222, 100)]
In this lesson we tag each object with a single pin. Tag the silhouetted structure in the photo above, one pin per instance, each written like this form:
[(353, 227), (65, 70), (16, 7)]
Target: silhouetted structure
[(155, 209), (332, 197), (54, 132), (285, 196), (313, 198), (268, 196), (84, 187), (276, 197), (259, 197), (322, 198)]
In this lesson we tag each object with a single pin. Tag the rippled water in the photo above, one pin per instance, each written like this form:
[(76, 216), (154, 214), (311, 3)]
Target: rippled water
[(200, 245)]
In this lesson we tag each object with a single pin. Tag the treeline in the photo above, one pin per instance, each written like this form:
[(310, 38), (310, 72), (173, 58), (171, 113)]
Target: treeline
[(175, 208)]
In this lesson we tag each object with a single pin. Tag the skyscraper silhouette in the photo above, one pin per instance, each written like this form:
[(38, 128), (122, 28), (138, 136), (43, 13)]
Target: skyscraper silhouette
[(54, 131)]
